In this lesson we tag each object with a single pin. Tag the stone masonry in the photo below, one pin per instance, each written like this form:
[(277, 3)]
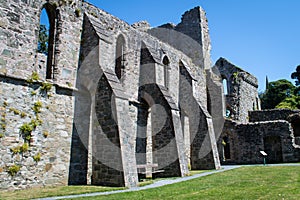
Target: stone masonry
[(241, 95), (107, 97), (242, 143)]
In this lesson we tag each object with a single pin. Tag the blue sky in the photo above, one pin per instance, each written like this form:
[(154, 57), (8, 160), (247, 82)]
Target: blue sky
[(260, 36)]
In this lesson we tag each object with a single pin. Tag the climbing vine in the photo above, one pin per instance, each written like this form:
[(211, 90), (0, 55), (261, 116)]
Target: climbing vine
[(30, 123)]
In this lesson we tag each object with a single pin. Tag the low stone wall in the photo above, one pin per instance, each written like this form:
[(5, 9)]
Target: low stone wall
[(270, 115), (247, 140)]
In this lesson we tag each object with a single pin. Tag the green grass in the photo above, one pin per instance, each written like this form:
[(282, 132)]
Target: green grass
[(242, 183), (52, 191)]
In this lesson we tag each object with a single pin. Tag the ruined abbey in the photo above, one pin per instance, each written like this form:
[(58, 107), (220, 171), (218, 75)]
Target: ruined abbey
[(112, 102)]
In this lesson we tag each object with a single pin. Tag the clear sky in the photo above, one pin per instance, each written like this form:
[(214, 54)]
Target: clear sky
[(260, 36)]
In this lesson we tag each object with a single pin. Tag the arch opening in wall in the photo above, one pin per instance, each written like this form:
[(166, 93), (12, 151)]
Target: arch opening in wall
[(225, 85), (166, 63), (120, 57), (226, 148), (46, 37), (144, 147)]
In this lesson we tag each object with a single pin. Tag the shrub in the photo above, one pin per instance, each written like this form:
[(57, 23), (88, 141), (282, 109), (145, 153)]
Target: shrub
[(33, 93), (5, 104), (26, 130), (15, 111), (34, 77), (14, 169), (46, 86), (3, 126), (45, 134), (77, 12), (37, 107), (35, 122), (23, 114), (37, 157), (15, 150), (20, 149), (24, 148)]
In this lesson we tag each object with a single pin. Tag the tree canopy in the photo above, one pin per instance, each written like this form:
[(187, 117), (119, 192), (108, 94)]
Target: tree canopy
[(277, 92), (43, 40), (292, 102), (296, 75)]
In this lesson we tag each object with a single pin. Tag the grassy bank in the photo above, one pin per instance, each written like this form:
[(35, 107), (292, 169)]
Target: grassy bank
[(242, 183)]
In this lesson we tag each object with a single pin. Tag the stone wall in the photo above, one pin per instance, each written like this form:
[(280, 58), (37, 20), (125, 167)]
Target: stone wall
[(245, 141), (193, 30), (50, 138), (242, 94), (19, 38), (28, 101), (83, 114), (271, 115), (151, 85)]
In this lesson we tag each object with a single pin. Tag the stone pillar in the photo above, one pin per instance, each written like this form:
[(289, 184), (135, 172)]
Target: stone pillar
[(187, 136), (149, 148), (127, 140), (213, 143), (180, 143)]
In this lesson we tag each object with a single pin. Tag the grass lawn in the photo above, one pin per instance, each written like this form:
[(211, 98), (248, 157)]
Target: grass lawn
[(52, 191), (242, 183)]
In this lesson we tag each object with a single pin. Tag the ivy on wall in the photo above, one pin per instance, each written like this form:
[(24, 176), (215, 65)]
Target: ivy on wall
[(31, 123)]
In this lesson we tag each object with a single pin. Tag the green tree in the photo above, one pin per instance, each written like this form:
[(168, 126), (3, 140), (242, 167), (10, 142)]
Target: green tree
[(292, 102), (276, 92), (43, 40), (296, 75)]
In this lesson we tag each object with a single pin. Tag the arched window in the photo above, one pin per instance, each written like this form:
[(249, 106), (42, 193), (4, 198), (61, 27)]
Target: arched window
[(166, 64), (120, 56), (226, 148), (225, 86), (46, 36)]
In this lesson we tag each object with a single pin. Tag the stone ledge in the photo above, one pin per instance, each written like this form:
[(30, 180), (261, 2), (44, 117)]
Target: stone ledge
[(22, 81)]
